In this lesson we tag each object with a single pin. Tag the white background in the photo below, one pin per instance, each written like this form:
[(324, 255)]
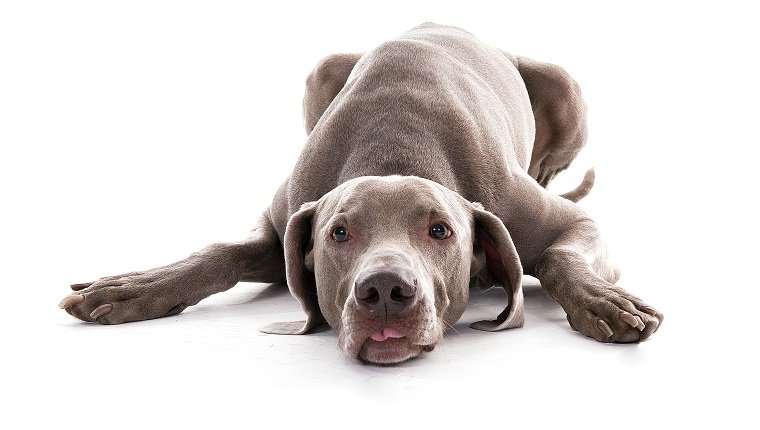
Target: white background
[(134, 133)]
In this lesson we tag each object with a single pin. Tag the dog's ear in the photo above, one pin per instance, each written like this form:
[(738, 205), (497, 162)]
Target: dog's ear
[(299, 266), (495, 262)]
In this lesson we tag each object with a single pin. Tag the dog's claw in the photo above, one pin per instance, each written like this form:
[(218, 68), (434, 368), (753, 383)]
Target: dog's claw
[(641, 325), (101, 310), (82, 286), (633, 321), (605, 328), (70, 301), (649, 310)]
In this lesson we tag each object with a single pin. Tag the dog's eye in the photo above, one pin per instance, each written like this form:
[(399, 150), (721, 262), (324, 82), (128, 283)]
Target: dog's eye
[(340, 234), (439, 231)]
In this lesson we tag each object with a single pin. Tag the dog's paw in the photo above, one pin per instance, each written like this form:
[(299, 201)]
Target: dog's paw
[(118, 299), (612, 314)]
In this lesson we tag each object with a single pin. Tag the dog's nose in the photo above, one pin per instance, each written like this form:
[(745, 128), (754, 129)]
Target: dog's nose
[(386, 292)]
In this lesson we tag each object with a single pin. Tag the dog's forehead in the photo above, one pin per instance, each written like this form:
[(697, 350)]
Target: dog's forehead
[(395, 194)]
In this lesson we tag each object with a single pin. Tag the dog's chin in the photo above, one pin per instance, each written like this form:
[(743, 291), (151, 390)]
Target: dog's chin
[(389, 351)]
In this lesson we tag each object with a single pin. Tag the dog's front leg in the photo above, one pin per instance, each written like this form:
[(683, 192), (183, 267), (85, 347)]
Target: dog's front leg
[(575, 271), (168, 290)]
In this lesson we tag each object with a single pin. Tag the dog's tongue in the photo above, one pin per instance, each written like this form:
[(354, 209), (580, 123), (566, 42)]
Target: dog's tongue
[(385, 334)]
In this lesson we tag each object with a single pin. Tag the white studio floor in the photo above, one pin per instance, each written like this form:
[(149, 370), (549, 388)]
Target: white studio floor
[(132, 135), (211, 366)]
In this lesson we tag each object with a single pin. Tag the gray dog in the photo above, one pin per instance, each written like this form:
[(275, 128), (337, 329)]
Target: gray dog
[(423, 175)]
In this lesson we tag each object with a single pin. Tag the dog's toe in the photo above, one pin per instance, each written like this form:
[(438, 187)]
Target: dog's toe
[(611, 315)]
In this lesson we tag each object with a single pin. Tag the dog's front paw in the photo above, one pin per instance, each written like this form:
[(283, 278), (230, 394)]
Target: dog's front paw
[(611, 314), (130, 297)]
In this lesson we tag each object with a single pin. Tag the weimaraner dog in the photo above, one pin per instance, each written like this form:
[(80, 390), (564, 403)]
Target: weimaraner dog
[(423, 174)]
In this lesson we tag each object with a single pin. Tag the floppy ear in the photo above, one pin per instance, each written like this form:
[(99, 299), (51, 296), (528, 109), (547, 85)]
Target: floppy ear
[(495, 261), (300, 274)]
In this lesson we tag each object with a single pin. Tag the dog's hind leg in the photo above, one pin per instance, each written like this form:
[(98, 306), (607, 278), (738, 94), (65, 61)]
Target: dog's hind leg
[(560, 115), (323, 84)]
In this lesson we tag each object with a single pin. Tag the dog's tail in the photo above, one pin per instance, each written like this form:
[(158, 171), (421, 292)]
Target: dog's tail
[(583, 189)]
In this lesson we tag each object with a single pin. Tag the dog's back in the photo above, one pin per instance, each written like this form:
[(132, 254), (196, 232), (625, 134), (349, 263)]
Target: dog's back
[(434, 96)]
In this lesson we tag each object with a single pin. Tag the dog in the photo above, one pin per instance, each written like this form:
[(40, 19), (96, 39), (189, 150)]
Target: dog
[(423, 175)]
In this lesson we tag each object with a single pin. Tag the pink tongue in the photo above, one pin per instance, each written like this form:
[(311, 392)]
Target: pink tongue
[(385, 334)]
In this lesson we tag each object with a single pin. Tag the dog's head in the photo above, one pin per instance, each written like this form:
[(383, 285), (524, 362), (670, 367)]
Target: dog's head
[(388, 262)]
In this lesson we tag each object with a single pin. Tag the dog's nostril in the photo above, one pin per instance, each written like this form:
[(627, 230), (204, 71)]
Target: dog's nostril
[(396, 294), (371, 296), (401, 293)]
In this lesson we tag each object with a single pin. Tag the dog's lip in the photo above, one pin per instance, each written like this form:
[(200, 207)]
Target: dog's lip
[(390, 351), (390, 345), (386, 333)]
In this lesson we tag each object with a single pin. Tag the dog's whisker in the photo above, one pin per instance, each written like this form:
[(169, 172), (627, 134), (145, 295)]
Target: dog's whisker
[(450, 326)]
